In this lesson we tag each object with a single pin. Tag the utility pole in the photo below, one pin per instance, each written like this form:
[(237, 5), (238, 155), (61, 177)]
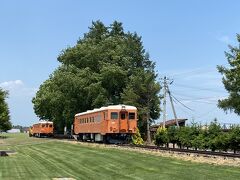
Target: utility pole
[(164, 100), (173, 109), (165, 92)]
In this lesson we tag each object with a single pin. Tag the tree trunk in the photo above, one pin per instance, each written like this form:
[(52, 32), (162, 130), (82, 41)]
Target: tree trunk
[(148, 130)]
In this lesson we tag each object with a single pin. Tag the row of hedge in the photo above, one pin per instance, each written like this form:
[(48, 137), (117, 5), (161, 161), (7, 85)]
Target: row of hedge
[(200, 137)]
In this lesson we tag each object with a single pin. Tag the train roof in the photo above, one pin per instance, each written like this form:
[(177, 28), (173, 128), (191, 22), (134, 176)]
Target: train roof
[(115, 107), (44, 122)]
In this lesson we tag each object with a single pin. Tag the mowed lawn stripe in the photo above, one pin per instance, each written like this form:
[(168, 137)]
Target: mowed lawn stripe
[(89, 163), (130, 164), (55, 167), (55, 161), (19, 166), (50, 159)]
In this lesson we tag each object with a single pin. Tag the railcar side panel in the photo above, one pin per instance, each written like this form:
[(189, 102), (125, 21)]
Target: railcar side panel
[(111, 120)]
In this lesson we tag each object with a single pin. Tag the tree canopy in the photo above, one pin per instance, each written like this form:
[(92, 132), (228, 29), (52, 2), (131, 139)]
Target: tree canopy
[(106, 66), (5, 123), (231, 80)]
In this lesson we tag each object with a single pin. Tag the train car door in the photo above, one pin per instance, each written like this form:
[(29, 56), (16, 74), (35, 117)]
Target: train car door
[(123, 120)]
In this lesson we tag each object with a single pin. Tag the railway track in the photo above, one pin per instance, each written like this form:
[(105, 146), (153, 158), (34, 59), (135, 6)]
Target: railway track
[(177, 150)]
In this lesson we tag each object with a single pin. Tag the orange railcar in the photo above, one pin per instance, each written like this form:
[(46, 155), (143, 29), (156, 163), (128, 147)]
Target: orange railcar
[(42, 128), (111, 123)]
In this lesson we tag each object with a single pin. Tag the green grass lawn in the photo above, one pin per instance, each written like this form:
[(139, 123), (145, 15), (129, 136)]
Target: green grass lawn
[(47, 159)]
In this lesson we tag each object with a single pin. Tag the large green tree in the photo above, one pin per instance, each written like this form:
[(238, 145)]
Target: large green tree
[(5, 123), (231, 80), (97, 71), (142, 91)]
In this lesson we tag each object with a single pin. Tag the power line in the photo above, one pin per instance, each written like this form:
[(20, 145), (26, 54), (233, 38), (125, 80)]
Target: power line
[(197, 98), (201, 101), (182, 109), (182, 103), (208, 112), (210, 100), (199, 71), (198, 88), (204, 102), (204, 98)]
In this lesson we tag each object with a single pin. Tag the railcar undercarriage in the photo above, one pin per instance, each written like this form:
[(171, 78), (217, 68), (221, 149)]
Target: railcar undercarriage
[(108, 138)]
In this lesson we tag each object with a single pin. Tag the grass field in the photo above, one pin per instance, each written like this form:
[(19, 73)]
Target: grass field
[(47, 159)]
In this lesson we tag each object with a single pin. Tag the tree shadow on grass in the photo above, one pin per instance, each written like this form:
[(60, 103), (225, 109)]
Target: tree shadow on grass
[(3, 136)]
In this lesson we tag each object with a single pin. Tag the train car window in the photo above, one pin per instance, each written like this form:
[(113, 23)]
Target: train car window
[(114, 115), (98, 118), (105, 115), (131, 115), (46, 125), (43, 125), (50, 125), (123, 116)]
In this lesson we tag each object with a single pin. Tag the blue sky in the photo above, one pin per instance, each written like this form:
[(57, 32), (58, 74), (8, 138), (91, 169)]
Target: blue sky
[(186, 39)]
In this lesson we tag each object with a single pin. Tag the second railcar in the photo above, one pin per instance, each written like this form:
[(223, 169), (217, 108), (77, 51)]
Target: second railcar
[(42, 128)]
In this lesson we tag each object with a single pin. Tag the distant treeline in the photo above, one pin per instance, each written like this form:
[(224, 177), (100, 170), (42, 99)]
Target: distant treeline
[(21, 128), (199, 137)]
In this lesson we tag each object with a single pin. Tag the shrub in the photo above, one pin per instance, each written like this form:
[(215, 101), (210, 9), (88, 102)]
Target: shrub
[(172, 135), (136, 138), (161, 137), (234, 138)]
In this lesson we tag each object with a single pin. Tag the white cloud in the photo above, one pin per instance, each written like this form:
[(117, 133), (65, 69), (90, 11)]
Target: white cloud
[(11, 84), (19, 101), (18, 88), (225, 39)]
